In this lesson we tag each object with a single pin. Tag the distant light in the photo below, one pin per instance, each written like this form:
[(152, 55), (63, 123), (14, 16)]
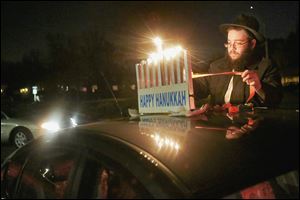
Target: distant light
[(290, 80), (84, 89), (94, 88), (24, 90), (251, 7), (115, 88), (133, 87)]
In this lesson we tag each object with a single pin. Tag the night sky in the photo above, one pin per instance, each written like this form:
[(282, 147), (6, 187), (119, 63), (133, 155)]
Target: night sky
[(131, 25)]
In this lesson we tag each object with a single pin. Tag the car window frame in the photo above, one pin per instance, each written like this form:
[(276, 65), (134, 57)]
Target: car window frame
[(163, 171), (71, 188), (108, 163)]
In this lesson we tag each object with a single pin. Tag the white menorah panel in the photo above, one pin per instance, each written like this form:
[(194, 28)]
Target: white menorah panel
[(165, 84)]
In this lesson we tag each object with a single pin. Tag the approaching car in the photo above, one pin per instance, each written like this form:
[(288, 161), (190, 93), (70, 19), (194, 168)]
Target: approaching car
[(17, 131), (245, 155), (60, 119)]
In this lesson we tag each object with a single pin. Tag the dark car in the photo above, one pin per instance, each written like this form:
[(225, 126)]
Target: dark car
[(216, 155)]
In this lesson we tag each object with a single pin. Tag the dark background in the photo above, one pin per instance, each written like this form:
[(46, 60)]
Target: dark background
[(54, 44)]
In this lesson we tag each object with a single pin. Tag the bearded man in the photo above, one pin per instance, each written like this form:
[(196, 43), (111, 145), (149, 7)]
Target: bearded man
[(257, 82)]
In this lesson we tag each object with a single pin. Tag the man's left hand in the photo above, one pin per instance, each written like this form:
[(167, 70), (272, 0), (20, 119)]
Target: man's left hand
[(251, 78)]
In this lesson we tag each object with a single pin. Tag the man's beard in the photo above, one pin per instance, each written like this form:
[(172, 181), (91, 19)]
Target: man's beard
[(240, 63)]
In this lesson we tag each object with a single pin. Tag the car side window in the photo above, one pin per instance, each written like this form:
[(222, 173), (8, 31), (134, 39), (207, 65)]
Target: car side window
[(47, 175), (103, 179)]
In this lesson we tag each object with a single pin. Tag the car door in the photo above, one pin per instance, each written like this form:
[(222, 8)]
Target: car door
[(6, 126)]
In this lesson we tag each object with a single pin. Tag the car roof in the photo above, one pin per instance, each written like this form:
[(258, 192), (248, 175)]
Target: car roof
[(197, 152)]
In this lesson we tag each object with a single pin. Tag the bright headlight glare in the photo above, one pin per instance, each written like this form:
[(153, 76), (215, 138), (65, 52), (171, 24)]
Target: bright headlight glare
[(51, 126), (73, 121)]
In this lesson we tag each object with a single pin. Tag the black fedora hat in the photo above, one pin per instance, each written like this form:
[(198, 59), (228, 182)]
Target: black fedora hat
[(247, 22)]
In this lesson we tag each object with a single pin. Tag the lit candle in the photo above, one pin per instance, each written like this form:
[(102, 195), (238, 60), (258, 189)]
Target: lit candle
[(148, 74), (154, 83), (166, 71), (185, 72), (172, 72), (142, 75), (178, 68), (159, 72), (138, 77)]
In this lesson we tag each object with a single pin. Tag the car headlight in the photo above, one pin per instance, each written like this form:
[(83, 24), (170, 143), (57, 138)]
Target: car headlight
[(50, 126)]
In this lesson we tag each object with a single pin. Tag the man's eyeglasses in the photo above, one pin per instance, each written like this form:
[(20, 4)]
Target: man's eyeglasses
[(236, 43)]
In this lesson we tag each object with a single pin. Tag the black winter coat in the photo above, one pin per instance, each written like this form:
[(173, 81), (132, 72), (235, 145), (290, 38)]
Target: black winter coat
[(216, 86)]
